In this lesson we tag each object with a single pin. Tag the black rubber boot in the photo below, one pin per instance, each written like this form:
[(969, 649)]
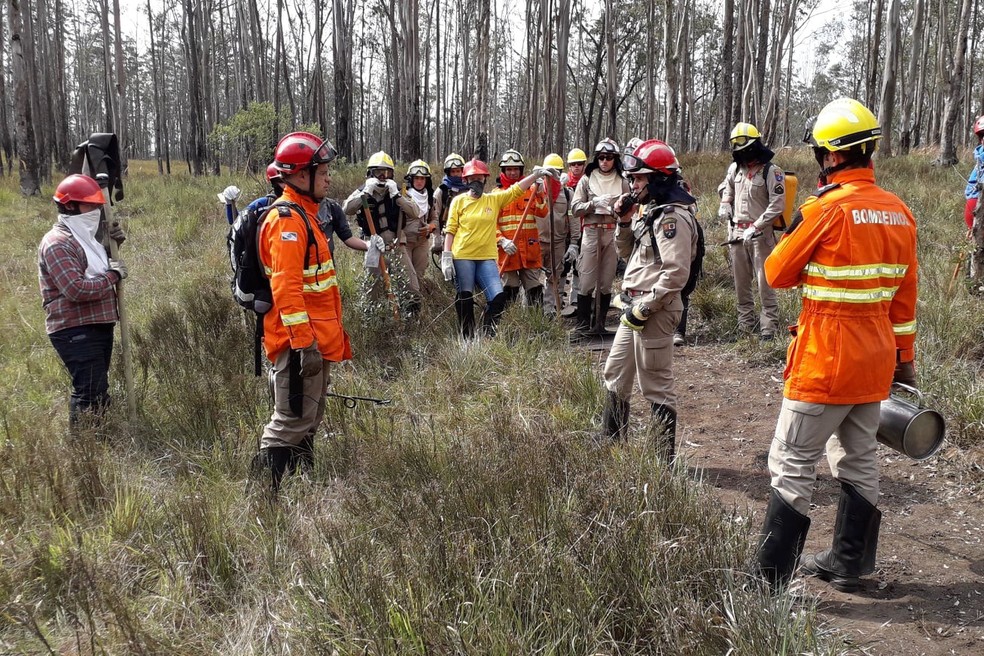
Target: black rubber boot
[(511, 294), (304, 454), (604, 302), (783, 536), (852, 553), (615, 417), (582, 318), (464, 307), (493, 312), (274, 462), (664, 430), (681, 328), (534, 297)]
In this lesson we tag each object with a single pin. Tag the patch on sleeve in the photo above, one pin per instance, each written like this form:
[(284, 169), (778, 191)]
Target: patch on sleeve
[(780, 176), (669, 226), (779, 189), (288, 236)]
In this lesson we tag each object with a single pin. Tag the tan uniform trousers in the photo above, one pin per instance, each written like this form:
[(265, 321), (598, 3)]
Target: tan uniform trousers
[(419, 253), (286, 428), (400, 254), (748, 264), (527, 278), (645, 356), (598, 260), (803, 429)]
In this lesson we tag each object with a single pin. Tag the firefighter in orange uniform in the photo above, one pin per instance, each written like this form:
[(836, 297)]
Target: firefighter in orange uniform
[(852, 252), (303, 330), (520, 256)]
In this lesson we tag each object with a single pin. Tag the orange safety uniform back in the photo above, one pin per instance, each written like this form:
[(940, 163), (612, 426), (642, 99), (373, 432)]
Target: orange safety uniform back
[(527, 240), (854, 256), (306, 302)]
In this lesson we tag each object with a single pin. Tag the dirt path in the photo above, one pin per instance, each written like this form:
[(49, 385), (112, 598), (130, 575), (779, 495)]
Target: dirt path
[(926, 596)]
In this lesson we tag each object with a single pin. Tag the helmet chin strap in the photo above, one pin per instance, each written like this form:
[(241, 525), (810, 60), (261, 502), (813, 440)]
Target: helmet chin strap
[(309, 192)]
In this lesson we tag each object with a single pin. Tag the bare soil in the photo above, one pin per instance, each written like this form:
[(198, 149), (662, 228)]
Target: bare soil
[(926, 596)]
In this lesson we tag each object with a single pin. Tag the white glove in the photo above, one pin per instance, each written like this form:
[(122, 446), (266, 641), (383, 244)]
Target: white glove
[(118, 268), (508, 246), (749, 233), (391, 187), (447, 265), (378, 243), (544, 172), (371, 185), (602, 204), (229, 195), (724, 212), (571, 253)]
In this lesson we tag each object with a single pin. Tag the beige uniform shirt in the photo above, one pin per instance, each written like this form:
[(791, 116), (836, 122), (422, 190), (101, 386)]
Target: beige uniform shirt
[(755, 195), (658, 257)]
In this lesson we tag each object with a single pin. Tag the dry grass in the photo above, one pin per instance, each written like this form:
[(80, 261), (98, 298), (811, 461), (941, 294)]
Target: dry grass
[(474, 514)]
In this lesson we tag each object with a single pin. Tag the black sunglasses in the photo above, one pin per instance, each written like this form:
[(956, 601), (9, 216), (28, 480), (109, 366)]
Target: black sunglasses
[(606, 158)]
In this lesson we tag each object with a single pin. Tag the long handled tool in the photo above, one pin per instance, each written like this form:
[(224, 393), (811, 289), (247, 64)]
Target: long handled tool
[(519, 227), (99, 158), (552, 278), (382, 264), (959, 265)]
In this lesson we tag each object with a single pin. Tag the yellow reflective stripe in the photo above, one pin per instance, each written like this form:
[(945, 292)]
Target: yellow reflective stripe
[(904, 328), (324, 267), (879, 270), (321, 285), (838, 295), (294, 319)]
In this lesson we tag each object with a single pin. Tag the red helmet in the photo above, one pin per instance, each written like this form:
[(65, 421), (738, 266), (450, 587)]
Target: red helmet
[(79, 189), (475, 167), (273, 173), (301, 150), (979, 126), (652, 156)]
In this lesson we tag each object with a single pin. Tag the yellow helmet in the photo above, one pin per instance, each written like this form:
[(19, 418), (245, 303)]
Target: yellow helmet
[(511, 158), (742, 135), (453, 161), (418, 168), (553, 161), (380, 160), (576, 156), (844, 123)]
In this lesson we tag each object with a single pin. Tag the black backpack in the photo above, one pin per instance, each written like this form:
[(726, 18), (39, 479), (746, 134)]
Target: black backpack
[(250, 285)]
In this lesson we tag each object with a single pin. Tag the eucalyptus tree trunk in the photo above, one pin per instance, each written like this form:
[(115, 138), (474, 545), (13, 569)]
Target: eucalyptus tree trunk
[(482, 64), (886, 108), (343, 14), (23, 126), (911, 94), (6, 143), (953, 84), (727, 72), (120, 87)]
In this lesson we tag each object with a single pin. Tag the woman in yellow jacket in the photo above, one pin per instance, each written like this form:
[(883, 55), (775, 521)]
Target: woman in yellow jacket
[(470, 249)]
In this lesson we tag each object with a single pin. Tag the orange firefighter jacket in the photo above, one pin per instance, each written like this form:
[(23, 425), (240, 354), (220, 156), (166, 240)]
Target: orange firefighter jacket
[(854, 257), (306, 301), (527, 240)]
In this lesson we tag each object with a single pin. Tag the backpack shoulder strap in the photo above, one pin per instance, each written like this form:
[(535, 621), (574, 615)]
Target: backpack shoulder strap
[(284, 208)]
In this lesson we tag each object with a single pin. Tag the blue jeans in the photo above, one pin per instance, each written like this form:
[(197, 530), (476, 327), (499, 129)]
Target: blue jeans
[(483, 272), (86, 352)]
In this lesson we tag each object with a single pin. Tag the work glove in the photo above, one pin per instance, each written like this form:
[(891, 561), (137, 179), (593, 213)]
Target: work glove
[(374, 254), (508, 246), (634, 317), (229, 195), (545, 172), (571, 253), (370, 186), (427, 229), (116, 233), (391, 187), (724, 212), (447, 265), (117, 267), (311, 360), (602, 204), (905, 373), (750, 233), (377, 242)]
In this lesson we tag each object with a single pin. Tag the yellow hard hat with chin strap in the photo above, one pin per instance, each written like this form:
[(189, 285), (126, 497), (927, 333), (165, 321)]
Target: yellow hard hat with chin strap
[(742, 135), (576, 156), (845, 123), (380, 160), (553, 161)]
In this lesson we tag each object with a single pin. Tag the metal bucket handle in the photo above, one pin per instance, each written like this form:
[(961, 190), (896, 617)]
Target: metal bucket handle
[(911, 390)]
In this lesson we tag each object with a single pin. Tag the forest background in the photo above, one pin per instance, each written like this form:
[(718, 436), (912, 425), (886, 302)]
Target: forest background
[(214, 82)]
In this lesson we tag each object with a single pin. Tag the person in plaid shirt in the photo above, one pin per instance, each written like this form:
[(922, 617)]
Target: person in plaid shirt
[(78, 291)]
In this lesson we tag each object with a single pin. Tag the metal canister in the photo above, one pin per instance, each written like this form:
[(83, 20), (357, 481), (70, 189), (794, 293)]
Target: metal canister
[(910, 428)]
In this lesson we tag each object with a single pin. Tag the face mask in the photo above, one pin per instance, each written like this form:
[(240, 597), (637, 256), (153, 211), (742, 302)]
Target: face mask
[(88, 221), (477, 187)]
